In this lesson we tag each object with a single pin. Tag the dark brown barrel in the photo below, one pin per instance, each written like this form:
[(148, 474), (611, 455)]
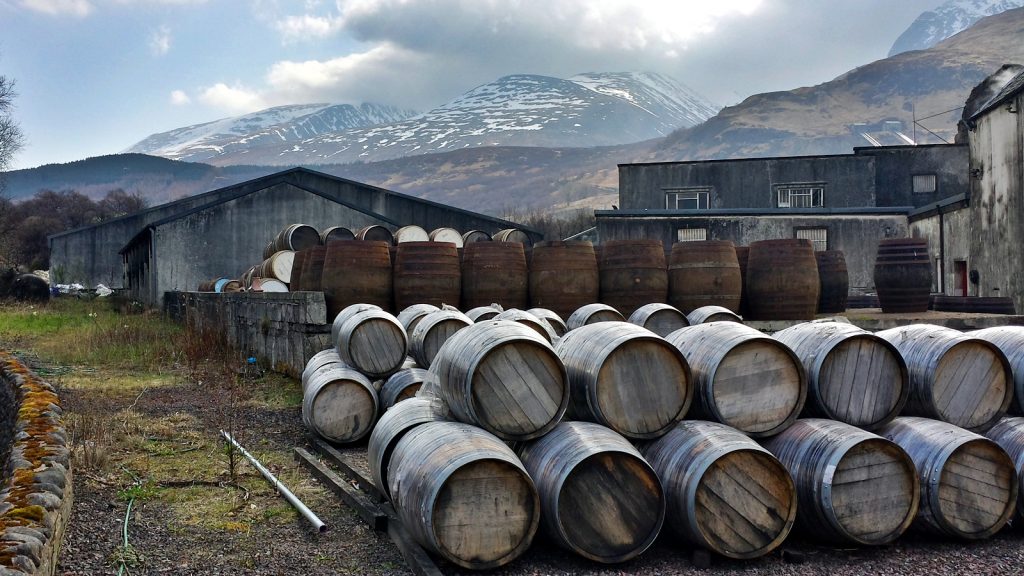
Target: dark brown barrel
[(427, 273), (503, 377), (554, 321), (495, 273), (633, 273), (296, 237), (339, 404), (852, 486), (411, 315), (742, 254), (704, 273), (626, 378), (370, 340), (396, 421), (599, 497), (411, 233), (954, 377), (968, 483), (903, 275), (592, 313), (269, 249), (475, 236), (463, 494), (833, 281), (662, 319), (402, 385), (511, 235), (335, 233), (481, 313), (313, 269), (538, 325), (725, 492), (375, 233), (782, 280), (1009, 434), (563, 276), (432, 331), (853, 376), (712, 314), (356, 272), (298, 262), (742, 377), (1009, 340)]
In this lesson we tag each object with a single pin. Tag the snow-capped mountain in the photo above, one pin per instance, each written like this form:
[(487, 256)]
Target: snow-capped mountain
[(952, 17), (279, 124), (520, 110)]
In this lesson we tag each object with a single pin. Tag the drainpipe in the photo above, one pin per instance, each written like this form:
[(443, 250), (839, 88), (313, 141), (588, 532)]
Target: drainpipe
[(942, 251)]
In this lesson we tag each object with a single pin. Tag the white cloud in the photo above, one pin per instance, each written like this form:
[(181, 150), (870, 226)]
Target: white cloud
[(78, 8), (307, 27), (234, 99), (180, 98), (160, 41)]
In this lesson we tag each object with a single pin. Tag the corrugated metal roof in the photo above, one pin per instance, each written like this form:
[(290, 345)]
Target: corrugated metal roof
[(1015, 85)]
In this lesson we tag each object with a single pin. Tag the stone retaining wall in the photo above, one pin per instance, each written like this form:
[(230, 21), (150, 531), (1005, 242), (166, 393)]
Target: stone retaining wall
[(36, 496)]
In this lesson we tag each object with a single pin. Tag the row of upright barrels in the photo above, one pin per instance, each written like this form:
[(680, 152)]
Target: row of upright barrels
[(297, 237)]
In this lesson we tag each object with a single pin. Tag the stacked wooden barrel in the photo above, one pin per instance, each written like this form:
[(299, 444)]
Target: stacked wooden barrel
[(427, 272), (903, 275), (356, 272), (632, 273), (704, 273), (495, 273), (563, 276), (782, 280), (833, 281)]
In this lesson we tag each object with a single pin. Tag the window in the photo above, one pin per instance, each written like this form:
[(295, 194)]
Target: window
[(801, 196), (817, 236), (692, 234), (924, 183), (687, 198)]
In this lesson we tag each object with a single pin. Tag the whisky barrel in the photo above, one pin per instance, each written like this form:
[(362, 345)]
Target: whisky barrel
[(411, 315), (954, 377), (495, 273), (1009, 434), (432, 331), (503, 377), (598, 496), (411, 233), (313, 269), (393, 424), (704, 273), (427, 273), (339, 404), (724, 492), (968, 483), (267, 285), (626, 378), (298, 262), (278, 266), (782, 280), (1010, 341), (370, 340), (296, 237), (833, 281), (712, 314), (375, 233), (475, 236), (903, 274), (563, 276), (269, 249), (742, 377), (402, 385), (592, 313), (481, 313), (356, 272), (247, 276), (227, 285), (335, 233), (511, 235), (553, 320), (209, 285), (852, 486), (853, 376), (446, 235), (464, 495), (742, 255), (632, 273), (525, 318), (317, 361), (662, 319)]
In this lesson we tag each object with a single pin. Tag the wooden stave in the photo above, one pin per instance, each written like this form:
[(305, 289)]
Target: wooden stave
[(538, 325), (325, 377), (833, 280), (930, 443), (399, 382), (356, 272), (643, 316), (689, 290), (923, 347), (456, 445), (712, 314), (632, 273), (393, 424), (313, 269), (811, 450), (564, 276), (482, 313), (455, 365), (420, 341), (1010, 341), (742, 255), (683, 456), (591, 313), (495, 273), (350, 322), (781, 280), (551, 460), (584, 352), (553, 320), (705, 360), (411, 315), (812, 342), (427, 273), (299, 261), (1009, 434)]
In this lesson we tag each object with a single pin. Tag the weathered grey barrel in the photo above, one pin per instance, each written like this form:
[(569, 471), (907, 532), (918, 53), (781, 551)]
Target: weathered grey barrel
[(317, 361), (411, 315), (512, 235), (592, 313), (481, 313), (954, 377), (968, 483), (1009, 434), (432, 331), (503, 377), (444, 234), (724, 492), (742, 377), (662, 319), (335, 233), (463, 494), (339, 404), (851, 485), (712, 314), (411, 233), (626, 378), (599, 497), (552, 318), (853, 375), (475, 236), (296, 237), (375, 233), (402, 385), (393, 424), (1010, 340), (527, 319), (370, 340)]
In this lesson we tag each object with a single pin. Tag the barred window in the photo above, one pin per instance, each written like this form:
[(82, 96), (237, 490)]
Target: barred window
[(924, 183), (692, 234), (817, 236), (800, 196)]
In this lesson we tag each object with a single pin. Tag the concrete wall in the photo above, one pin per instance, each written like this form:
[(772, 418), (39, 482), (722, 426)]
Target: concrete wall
[(855, 234), (951, 245), (997, 201), (896, 166)]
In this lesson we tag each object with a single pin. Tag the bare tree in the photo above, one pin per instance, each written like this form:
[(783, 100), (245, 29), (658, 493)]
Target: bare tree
[(11, 138)]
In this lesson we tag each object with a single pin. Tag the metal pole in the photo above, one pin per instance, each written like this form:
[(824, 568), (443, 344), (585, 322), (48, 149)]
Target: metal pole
[(291, 498)]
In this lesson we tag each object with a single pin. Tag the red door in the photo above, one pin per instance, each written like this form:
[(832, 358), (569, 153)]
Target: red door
[(959, 278)]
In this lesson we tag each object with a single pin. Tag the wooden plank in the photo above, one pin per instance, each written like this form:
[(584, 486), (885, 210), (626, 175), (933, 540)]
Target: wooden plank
[(339, 460), (355, 499)]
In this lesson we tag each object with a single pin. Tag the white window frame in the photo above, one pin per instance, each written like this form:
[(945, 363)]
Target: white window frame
[(934, 182), (691, 234), (820, 244), (700, 196), (800, 195)]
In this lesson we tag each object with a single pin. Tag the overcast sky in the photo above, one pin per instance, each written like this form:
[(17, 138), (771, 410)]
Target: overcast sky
[(96, 76)]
